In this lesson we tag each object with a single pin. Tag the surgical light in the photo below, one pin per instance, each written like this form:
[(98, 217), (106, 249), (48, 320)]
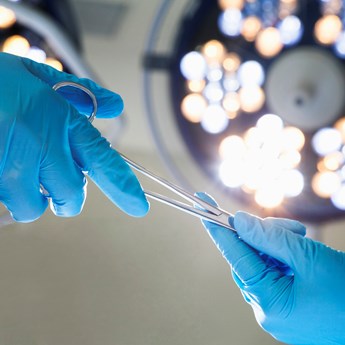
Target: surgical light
[(251, 73), (327, 29), (193, 66), (193, 107), (268, 42), (291, 30), (214, 119), (271, 126), (326, 140), (7, 18), (16, 45)]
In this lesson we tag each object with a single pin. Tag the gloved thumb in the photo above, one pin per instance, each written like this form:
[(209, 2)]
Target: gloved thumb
[(109, 103), (279, 238)]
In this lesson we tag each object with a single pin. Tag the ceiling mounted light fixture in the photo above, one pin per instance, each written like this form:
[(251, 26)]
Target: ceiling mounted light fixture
[(257, 89)]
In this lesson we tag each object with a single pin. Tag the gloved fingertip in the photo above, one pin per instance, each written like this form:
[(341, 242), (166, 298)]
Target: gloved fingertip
[(141, 210), (118, 104), (206, 197)]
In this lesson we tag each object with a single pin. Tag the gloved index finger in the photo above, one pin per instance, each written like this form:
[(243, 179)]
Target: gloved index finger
[(244, 260), (110, 104), (105, 167)]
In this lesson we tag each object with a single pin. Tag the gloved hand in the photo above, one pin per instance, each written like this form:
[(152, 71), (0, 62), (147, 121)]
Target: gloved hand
[(303, 306), (45, 140)]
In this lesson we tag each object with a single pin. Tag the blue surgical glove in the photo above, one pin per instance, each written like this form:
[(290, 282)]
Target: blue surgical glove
[(304, 305), (44, 140)]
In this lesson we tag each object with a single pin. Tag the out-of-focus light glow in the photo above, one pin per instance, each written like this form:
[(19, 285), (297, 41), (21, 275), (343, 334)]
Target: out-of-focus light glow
[(231, 83), (340, 45), (230, 22), (226, 4), (213, 92), (232, 148), (293, 183), (214, 51), (232, 175), (193, 66), (338, 198), (254, 138), (268, 42), (251, 27), (269, 124), (54, 63), (290, 159), (326, 140), (196, 85), (333, 161), (231, 102), (193, 106), (251, 73), (340, 126), (231, 62), (325, 184), (327, 29), (252, 98), (16, 45), (214, 74), (214, 119), (36, 54), (7, 17), (291, 30), (269, 197), (292, 138)]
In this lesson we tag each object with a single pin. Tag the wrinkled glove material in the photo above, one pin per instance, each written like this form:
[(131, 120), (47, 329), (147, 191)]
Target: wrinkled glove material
[(46, 141), (302, 305)]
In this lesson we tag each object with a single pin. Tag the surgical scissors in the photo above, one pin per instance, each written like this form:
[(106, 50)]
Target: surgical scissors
[(200, 208)]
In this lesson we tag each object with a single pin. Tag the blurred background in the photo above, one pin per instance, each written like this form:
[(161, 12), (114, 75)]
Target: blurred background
[(241, 99)]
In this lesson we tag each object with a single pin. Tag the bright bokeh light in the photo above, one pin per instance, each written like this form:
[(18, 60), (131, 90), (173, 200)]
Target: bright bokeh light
[(214, 74), (196, 85), (230, 22), (231, 102), (327, 29), (226, 4), (252, 98), (233, 147), (292, 138), (325, 184), (326, 140), (340, 126), (291, 30), (333, 161), (193, 66), (37, 54), (293, 183), (268, 42), (290, 159), (54, 63), (231, 62), (214, 119), (269, 196), (193, 106), (251, 27), (251, 73), (16, 45), (213, 92), (214, 51), (338, 198), (231, 175), (269, 124), (7, 17), (340, 45), (231, 83), (260, 164)]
